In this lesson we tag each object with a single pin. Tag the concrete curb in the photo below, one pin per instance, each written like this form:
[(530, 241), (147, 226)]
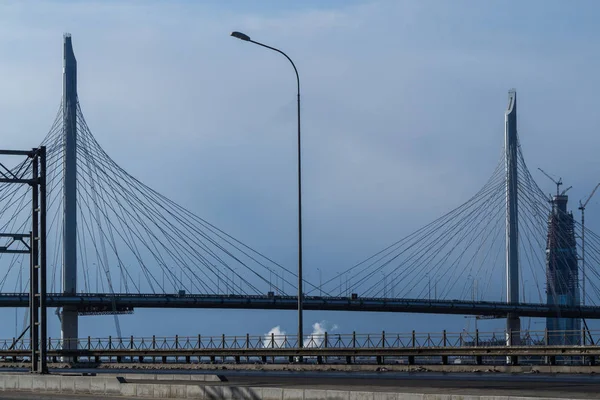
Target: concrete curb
[(220, 368), (117, 386), (165, 377)]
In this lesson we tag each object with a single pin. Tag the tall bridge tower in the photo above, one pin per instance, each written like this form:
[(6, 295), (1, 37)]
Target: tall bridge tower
[(562, 277), (69, 321), (513, 323)]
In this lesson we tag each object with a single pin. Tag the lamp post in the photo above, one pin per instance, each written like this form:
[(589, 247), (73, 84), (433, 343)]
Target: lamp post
[(470, 278), (97, 276), (246, 38), (475, 317), (428, 278), (320, 283), (270, 280), (233, 273)]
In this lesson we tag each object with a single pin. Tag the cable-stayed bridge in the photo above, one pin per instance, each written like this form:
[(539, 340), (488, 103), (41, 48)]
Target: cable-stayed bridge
[(114, 244)]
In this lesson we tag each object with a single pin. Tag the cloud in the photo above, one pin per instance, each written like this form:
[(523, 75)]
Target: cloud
[(316, 338), (276, 337), (402, 109)]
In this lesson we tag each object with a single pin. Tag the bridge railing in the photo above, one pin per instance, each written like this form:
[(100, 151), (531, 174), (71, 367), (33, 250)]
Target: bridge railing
[(326, 340)]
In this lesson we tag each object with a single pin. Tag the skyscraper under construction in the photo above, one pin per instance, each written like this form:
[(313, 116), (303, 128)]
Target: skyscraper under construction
[(562, 278)]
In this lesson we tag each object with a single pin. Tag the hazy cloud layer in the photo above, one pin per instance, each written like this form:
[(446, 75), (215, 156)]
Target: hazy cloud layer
[(403, 108)]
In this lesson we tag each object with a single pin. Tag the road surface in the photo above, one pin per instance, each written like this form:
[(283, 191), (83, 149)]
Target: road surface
[(496, 384)]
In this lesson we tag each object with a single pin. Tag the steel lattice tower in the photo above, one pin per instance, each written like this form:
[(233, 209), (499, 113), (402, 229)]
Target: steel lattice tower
[(562, 278)]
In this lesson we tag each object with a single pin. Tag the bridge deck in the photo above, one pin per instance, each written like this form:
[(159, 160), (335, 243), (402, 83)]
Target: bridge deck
[(107, 302)]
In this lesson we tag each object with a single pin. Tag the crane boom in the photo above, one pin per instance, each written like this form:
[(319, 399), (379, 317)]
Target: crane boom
[(581, 206), (566, 190), (557, 183)]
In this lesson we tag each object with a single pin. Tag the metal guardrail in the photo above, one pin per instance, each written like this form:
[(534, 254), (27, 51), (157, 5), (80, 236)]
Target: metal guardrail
[(383, 340), (478, 348)]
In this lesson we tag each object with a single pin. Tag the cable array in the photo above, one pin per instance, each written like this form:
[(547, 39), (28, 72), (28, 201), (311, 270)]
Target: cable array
[(15, 207), (461, 255), (132, 239)]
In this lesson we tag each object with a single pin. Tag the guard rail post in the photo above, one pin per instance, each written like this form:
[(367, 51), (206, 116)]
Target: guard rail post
[(199, 347), (273, 346), (411, 359), (381, 359), (326, 344), (444, 344), (223, 346), (176, 347)]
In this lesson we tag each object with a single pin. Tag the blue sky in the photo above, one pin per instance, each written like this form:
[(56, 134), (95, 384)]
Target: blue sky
[(403, 106)]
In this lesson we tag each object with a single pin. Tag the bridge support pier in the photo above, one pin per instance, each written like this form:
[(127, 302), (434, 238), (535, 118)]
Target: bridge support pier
[(551, 360), (478, 360), (348, 359), (444, 360), (411, 360), (69, 321), (511, 142)]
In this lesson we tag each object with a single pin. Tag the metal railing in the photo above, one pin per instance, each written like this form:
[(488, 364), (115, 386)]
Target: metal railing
[(326, 340)]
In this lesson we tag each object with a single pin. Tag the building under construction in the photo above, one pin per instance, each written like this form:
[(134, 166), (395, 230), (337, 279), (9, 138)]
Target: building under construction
[(562, 280)]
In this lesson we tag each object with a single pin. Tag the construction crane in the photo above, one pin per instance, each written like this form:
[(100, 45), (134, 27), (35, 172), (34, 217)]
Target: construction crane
[(582, 208), (557, 183)]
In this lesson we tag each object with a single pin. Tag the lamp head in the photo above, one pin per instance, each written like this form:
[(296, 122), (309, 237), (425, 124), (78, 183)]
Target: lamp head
[(240, 35)]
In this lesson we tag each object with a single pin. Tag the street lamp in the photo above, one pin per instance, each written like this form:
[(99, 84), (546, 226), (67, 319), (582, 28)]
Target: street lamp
[(525, 301), (97, 276), (270, 280), (476, 317), (320, 283), (246, 38), (233, 273), (428, 286), (472, 280)]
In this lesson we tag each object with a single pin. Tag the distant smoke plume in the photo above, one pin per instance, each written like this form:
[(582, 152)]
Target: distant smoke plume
[(278, 336), (316, 337)]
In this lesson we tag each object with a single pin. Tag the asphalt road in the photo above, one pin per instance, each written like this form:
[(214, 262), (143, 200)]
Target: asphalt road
[(540, 385), (44, 396), (527, 385)]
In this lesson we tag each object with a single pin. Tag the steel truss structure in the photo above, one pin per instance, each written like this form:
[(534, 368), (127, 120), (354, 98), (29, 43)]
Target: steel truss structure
[(32, 243)]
